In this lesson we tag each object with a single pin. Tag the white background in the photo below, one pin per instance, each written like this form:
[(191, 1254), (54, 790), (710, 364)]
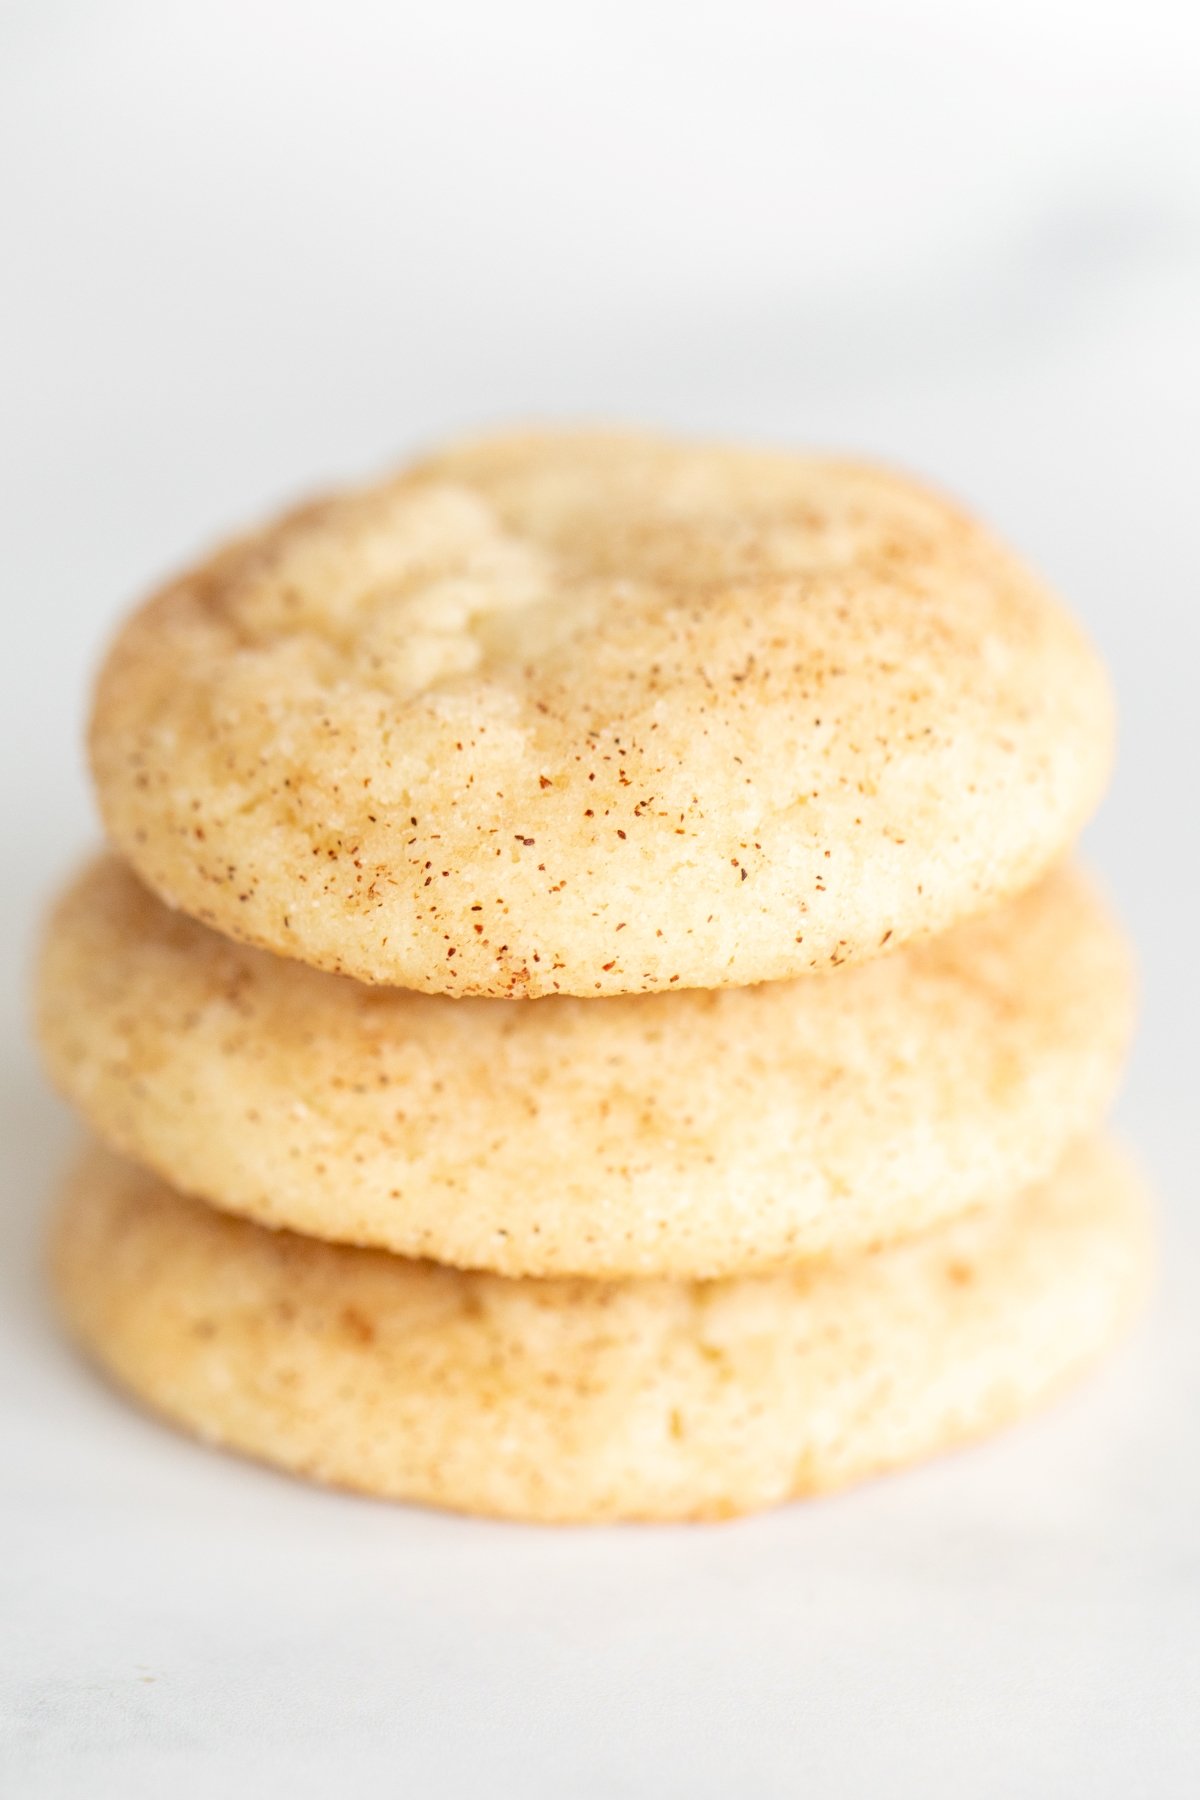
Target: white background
[(250, 247)]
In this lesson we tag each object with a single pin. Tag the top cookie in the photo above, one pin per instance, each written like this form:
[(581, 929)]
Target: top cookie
[(597, 714)]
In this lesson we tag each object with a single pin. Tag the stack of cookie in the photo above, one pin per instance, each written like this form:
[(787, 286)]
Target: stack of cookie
[(593, 1001)]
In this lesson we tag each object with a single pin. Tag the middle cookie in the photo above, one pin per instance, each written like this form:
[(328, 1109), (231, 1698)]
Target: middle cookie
[(693, 1134)]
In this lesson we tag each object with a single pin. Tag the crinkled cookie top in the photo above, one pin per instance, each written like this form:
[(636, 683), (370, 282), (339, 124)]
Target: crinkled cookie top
[(595, 714)]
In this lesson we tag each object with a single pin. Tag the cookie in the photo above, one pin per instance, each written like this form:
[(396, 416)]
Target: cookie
[(595, 714), (695, 1133), (593, 1401)]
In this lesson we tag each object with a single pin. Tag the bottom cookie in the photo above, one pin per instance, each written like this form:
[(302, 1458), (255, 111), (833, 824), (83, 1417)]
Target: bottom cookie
[(574, 1400)]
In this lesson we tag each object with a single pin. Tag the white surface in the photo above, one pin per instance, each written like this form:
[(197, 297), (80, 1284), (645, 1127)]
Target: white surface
[(251, 246)]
